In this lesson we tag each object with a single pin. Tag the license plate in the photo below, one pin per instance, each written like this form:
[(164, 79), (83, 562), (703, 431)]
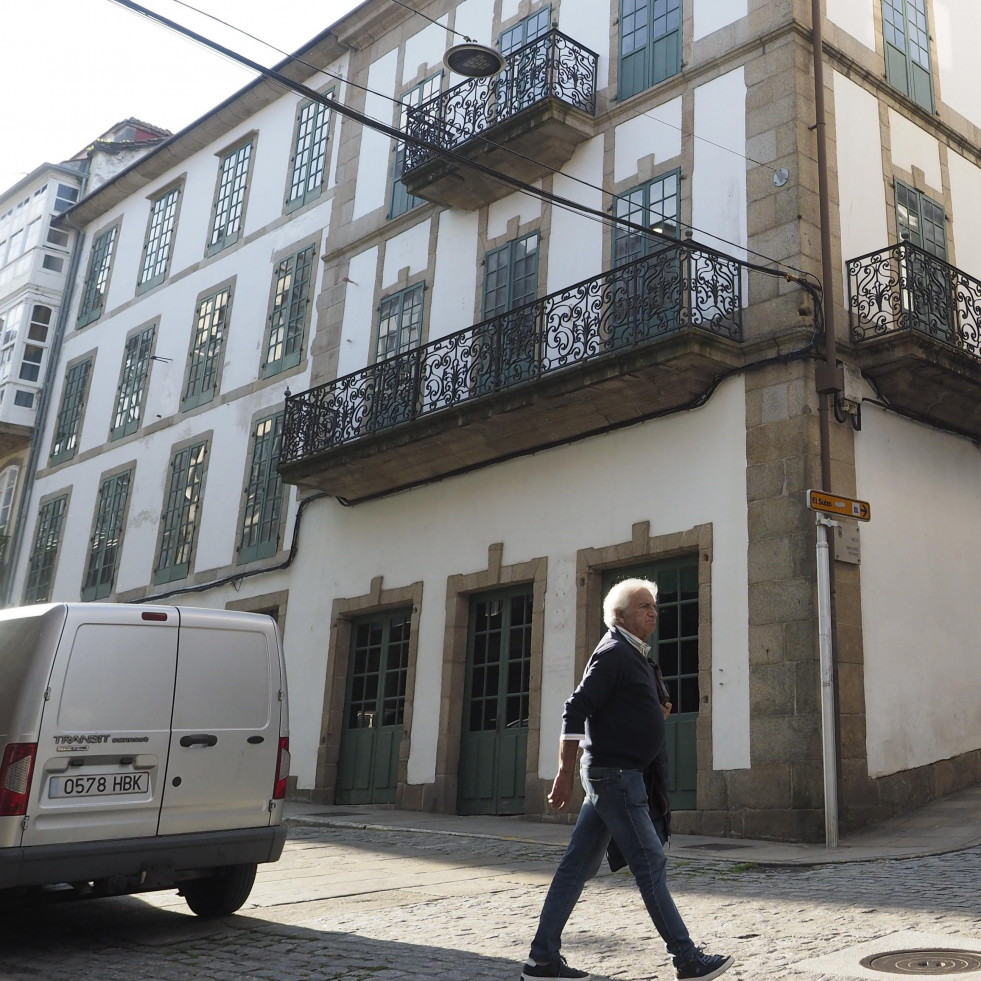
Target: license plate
[(100, 785)]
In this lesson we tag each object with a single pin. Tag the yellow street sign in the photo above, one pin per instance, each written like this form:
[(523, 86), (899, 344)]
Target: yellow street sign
[(843, 507)]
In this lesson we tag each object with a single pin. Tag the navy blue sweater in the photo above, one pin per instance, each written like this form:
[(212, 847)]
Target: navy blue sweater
[(616, 707)]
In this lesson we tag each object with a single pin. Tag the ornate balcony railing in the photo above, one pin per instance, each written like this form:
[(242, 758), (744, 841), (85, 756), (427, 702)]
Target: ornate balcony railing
[(903, 288), (551, 67), (680, 286)]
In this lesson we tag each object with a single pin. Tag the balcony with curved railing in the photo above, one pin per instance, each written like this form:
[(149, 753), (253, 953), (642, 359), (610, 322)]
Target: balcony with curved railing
[(916, 327), (642, 338), (525, 121)]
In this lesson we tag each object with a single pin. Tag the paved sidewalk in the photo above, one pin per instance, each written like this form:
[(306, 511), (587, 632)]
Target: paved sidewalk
[(945, 825)]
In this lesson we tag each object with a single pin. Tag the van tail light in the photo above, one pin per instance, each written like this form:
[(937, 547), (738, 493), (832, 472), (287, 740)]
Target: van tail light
[(282, 768), (16, 771)]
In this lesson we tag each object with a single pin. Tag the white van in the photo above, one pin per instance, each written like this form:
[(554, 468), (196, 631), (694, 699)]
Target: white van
[(141, 748)]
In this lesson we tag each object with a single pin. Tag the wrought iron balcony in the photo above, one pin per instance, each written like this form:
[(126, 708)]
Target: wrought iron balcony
[(525, 121), (541, 374), (916, 324)]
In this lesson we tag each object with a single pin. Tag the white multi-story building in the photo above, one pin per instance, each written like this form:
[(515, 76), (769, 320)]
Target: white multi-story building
[(36, 251), (424, 400)]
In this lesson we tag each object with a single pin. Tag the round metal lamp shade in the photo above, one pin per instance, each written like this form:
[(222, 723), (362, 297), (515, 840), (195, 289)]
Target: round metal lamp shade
[(473, 60)]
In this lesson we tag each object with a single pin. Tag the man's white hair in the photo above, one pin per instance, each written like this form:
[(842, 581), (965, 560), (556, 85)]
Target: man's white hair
[(618, 598)]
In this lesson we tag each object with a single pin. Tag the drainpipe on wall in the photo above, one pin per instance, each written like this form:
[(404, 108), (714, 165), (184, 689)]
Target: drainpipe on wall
[(828, 378)]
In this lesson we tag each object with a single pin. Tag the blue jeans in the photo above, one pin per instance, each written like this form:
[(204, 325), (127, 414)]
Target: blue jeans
[(615, 806)]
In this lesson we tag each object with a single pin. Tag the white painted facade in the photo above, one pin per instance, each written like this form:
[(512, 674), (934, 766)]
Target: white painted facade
[(918, 576), (669, 475)]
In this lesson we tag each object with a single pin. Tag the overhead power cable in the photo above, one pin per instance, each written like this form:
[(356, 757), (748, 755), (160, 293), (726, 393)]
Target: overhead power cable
[(483, 138)]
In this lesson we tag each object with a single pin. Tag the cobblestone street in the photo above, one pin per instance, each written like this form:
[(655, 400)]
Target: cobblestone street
[(353, 905)]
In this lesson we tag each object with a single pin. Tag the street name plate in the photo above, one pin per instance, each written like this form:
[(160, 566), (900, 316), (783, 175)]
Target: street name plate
[(842, 507)]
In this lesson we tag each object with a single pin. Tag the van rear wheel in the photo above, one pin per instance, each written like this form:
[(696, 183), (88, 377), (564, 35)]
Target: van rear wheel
[(221, 894)]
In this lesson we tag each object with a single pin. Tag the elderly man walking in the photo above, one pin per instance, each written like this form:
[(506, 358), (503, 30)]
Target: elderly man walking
[(617, 716)]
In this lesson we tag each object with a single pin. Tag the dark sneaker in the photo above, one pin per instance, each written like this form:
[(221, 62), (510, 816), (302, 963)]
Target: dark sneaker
[(704, 966), (554, 969)]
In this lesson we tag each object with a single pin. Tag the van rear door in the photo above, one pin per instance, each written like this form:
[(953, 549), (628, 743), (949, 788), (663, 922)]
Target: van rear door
[(105, 726), (226, 723)]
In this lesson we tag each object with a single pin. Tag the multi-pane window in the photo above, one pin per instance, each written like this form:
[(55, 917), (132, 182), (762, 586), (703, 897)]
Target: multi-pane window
[(57, 236), (906, 32), (262, 501), (107, 536), (645, 298), (402, 201), (233, 181), (69, 420), (928, 294), (65, 197), (308, 168), (921, 219), (292, 281), (524, 80), (132, 383), (511, 275), (400, 322), (654, 205), (207, 343), (181, 514), (44, 552), (8, 484), (650, 44), (525, 31), (379, 670), (499, 665), (30, 365), (97, 277), (40, 322), (510, 287), (159, 238)]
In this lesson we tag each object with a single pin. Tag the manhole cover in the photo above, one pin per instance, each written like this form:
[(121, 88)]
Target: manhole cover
[(930, 962)]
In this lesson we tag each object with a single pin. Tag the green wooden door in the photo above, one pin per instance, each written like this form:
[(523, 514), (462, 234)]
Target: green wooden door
[(493, 756), (675, 647), (367, 770)]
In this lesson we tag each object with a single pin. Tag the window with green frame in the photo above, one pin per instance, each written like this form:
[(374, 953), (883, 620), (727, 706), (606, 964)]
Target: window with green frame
[(107, 536), (308, 165), (525, 31), (654, 205), (921, 219), (510, 282), (262, 499), (44, 551), (511, 275), (906, 33), (132, 383), (524, 80), (180, 518), (400, 322), (207, 344), (97, 277), (650, 44), (159, 237), (229, 206), (69, 420), (402, 201), (292, 282)]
